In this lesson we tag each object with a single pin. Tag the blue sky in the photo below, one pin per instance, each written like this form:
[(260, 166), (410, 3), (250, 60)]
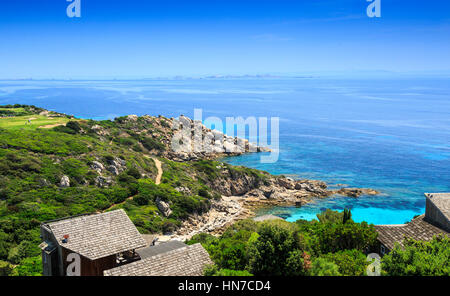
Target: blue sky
[(165, 38)]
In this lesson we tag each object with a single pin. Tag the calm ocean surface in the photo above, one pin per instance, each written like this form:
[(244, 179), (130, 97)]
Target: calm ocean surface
[(392, 135)]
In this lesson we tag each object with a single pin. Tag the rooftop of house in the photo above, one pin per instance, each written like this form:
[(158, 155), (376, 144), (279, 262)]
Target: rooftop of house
[(441, 201), (98, 235), (418, 229), (159, 249), (184, 261)]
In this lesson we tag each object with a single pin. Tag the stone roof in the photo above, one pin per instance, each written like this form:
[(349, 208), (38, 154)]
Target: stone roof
[(185, 261), (159, 249), (441, 201), (98, 235), (417, 229)]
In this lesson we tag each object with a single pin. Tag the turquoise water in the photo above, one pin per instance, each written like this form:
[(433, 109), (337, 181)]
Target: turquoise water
[(392, 135)]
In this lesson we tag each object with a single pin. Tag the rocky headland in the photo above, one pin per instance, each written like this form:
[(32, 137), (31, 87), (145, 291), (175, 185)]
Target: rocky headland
[(131, 163)]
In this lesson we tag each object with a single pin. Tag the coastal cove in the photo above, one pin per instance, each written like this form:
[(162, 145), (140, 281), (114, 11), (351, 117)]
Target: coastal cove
[(337, 131)]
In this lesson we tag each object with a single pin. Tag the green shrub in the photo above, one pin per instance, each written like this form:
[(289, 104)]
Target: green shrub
[(215, 271), (272, 252), (322, 267), (151, 144), (29, 267), (330, 216), (134, 172), (350, 262), (334, 237), (5, 268), (74, 125), (419, 258)]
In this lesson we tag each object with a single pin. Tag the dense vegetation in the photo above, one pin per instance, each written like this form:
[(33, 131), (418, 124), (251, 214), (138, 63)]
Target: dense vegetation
[(419, 258), (332, 246), (326, 247), (33, 161)]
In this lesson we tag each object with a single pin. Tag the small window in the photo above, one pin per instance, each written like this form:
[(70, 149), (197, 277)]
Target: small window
[(382, 250)]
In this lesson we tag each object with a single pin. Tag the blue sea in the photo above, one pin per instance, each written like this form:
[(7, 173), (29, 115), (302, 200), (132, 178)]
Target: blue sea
[(390, 134)]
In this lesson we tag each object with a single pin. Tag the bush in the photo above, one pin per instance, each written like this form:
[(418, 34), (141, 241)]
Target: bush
[(204, 193), (169, 226), (274, 250), (151, 144), (418, 258), (322, 267), (215, 271), (350, 262), (29, 267), (74, 125), (5, 268), (334, 237), (134, 172), (330, 216)]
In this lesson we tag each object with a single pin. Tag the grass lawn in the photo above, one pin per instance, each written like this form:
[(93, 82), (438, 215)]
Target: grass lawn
[(36, 121), (16, 110)]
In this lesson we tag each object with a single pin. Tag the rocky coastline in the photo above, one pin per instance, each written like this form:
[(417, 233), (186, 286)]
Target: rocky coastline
[(242, 194), (277, 191)]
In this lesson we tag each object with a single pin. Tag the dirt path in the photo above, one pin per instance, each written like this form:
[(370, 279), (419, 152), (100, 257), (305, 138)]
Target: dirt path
[(158, 165), (121, 203), (51, 125)]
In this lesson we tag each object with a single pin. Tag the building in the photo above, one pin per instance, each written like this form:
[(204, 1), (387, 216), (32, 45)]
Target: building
[(109, 243), (434, 222), (180, 261), (102, 241)]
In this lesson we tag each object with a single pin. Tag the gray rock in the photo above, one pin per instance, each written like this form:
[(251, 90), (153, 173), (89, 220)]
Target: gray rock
[(132, 117), (184, 190), (185, 121), (113, 170), (65, 182), (286, 183), (163, 207), (229, 147), (101, 181), (97, 166)]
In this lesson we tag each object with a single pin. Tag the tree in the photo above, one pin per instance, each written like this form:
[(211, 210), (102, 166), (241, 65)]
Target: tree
[(419, 258), (338, 236), (350, 262), (5, 268), (31, 266), (322, 267), (347, 216), (213, 270), (330, 216), (274, 251)]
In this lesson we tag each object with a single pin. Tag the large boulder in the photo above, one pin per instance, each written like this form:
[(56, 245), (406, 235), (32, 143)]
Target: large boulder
[(99, 130), (65, 182), (185, 121), (163, 207), (113, 170), (357, 192), (119, 163), (132, 117), (286, 183), (229, 147), (97, 166), (183, 190), (101, 181)]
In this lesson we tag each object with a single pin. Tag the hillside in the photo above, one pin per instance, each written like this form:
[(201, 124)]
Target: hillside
[(53, 165)]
